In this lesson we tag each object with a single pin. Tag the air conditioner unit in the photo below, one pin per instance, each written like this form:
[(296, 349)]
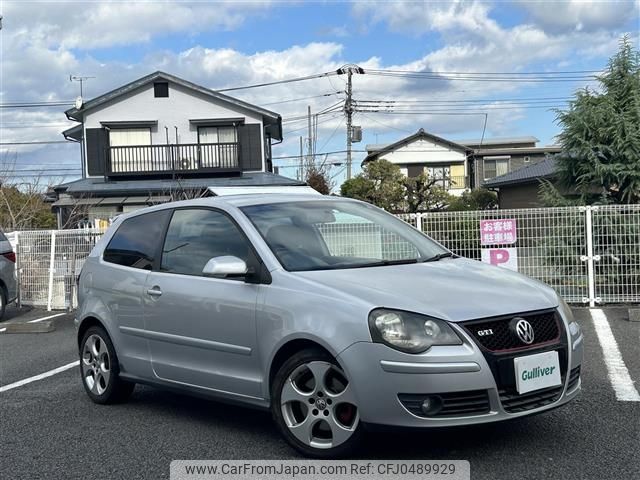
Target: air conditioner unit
[(187, 164)]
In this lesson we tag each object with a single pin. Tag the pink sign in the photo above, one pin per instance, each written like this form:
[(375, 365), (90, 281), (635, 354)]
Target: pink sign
[(498, 232)]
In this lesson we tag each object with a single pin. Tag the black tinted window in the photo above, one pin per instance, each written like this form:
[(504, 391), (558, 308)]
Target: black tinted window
[(195, 236), (137, 240)]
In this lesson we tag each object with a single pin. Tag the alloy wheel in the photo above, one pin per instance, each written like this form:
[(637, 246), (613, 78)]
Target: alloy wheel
[(96, 365), (318, 405)]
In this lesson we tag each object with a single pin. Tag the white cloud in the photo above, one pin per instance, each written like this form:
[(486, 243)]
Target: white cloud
[(86, 25), (583, 16), (43, 45)]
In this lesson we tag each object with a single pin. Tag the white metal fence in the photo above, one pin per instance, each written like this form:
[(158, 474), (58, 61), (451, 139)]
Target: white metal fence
[(48, 262), (588, 254)]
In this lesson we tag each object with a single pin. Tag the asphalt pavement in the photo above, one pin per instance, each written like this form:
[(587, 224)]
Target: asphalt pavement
[(50, 429)]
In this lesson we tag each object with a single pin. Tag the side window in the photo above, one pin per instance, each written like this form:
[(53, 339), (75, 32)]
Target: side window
[(195, 236), (137, 240)]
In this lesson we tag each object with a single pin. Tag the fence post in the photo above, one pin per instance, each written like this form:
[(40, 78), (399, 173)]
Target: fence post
[(590, 257), (419, 221), (51, 269), (18, 272)]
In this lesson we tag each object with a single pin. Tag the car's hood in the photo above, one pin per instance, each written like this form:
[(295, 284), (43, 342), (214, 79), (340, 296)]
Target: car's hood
[(453, 289)]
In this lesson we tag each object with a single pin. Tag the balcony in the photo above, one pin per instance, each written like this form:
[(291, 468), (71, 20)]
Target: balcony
[(173, 159), (453, 183)]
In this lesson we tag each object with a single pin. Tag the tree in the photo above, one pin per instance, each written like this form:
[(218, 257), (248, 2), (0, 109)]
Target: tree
[(318, 179), (601, 134), (477, 199), (22, 204), (424, 194), (380, 183)]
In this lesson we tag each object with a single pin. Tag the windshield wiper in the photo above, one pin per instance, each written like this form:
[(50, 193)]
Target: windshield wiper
[(440, 256), (402, 261)]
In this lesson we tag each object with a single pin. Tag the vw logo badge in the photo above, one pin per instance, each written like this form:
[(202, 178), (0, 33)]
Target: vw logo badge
[(524, 330)]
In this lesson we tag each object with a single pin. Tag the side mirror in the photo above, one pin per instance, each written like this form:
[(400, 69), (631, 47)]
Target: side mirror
[(225, 266)]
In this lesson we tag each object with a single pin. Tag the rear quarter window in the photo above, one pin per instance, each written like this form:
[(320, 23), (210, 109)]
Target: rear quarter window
[(137, 241)]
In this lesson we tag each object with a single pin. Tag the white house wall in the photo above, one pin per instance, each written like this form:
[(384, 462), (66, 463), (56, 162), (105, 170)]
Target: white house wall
[(423, 151), (173, 111)]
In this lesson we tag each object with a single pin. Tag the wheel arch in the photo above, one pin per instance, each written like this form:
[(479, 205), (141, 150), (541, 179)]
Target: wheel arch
[(289, 348), (86, 323)]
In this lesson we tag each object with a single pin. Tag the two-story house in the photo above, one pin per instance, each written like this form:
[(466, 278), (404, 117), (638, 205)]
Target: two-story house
[(460, 164), (425, 152), (160, 138)]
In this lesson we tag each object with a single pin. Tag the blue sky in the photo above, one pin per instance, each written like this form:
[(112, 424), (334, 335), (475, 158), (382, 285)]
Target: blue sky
[(219, 44)]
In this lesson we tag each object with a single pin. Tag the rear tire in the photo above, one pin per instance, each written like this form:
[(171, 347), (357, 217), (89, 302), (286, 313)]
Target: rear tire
[(314, 406), (99, 368)]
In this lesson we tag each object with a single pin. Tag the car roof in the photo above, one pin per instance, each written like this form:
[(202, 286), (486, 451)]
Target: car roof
[(238, 201)]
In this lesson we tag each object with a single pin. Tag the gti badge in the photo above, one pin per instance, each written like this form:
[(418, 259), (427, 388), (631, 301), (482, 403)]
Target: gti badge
[(484, 333), (524, 330)]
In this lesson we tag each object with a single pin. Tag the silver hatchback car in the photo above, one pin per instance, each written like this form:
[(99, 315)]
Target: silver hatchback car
[(330, 312), (8, 284)]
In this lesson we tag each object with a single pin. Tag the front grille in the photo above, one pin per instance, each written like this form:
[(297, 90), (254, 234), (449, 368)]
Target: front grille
[(514, 402), (496, 335), (574, 376), (451, 404)]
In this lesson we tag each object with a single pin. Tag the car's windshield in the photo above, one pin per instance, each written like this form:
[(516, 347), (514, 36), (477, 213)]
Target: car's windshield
[(335, 234)]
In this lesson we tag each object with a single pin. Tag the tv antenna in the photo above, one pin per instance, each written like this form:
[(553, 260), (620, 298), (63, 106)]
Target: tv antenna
[(81, 79)]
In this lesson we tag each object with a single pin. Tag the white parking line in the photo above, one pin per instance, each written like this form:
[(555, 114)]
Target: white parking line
[(39, 377), (39, 320), (46, 318), (618, 372)]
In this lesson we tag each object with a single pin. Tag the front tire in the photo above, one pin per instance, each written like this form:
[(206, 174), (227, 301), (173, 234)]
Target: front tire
[(99, 368), (3, 302), (314, 406)]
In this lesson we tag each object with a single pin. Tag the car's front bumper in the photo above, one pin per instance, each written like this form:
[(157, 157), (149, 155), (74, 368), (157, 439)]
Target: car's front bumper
[(378, 374)]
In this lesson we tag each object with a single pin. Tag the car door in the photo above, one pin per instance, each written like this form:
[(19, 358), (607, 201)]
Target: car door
[(120, 280), (202, 330)]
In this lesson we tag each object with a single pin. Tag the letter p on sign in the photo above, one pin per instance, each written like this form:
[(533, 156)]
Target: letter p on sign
[(501, 257)]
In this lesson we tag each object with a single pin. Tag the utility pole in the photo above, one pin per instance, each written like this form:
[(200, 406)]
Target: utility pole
[(301, 169), (348, 107), (310, 137)]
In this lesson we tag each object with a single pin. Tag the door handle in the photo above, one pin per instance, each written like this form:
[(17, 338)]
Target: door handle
[(154, 292)]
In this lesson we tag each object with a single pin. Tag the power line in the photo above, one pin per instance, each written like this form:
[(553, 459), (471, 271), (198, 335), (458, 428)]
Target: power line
[(301, 98), (278, 82), (42, 170), (439, 77), (551, 72), (35, 143), (35, 104), (332, 134), (472, 101), (44, 125), (313, 154), (336, 114)]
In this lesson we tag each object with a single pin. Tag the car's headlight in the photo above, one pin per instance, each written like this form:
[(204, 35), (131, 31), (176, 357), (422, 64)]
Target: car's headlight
[(410, 332), (565, 311)]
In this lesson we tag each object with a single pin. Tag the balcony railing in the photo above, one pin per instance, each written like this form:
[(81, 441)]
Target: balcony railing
[(169, 159), (453, 183)]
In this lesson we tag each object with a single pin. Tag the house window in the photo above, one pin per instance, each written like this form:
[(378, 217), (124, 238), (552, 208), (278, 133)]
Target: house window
[(219, 146), (415, 170), (161, 89), (443, 174), (494, 167), (130, 149)]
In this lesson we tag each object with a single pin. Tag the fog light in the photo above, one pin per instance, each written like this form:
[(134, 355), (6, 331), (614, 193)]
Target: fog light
[(431, 405)]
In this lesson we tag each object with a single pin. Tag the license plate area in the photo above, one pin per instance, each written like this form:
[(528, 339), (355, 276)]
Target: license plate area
[(538, 371)]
